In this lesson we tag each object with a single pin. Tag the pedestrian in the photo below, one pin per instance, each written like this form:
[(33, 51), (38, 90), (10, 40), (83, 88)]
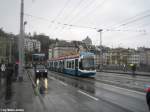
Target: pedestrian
[(9, 74), (16, 70), (0, 70), (133, 67), (148, 96), (124, 68), (3, 68)]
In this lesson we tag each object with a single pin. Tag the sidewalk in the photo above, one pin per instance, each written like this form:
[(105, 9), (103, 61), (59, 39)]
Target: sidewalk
[(128, 72), (2, 86), (18, 95)]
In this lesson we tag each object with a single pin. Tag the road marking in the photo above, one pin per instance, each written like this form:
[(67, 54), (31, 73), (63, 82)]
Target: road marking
[(88, 95), (65, 84), (125, 89), (52, 78)]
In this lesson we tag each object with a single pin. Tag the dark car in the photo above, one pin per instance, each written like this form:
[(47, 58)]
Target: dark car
[(40, 71)]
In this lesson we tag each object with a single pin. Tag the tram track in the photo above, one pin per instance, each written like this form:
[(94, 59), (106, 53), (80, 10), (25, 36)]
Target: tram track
[(93, 79), (135, 78), (90, 83)]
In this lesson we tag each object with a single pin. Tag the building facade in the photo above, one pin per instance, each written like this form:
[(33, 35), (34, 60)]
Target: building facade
[(87, 41), (32, 45), (6, 49), (62, 49)]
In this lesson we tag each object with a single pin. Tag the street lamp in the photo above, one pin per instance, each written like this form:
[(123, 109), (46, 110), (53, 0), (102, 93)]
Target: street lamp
[(101, 50)]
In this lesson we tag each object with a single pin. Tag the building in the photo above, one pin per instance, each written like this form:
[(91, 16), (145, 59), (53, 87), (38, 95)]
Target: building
[(87, 41), (6, 49), (144, 55), (101, 55), (3, 47), (118, 56), (134, 59), (32, 45), (62, 48)]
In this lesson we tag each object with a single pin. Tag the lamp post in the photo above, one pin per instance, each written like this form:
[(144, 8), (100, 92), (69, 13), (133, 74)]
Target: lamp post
[(25, 22), (101, 50), (21, 42)]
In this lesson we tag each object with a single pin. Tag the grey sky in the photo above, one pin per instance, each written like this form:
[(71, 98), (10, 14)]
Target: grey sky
[(109, 15)]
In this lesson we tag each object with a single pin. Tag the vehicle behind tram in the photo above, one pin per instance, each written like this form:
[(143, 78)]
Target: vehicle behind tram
[(77, 65)]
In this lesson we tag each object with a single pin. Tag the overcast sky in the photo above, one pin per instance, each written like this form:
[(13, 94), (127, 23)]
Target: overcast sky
[(125, 23)]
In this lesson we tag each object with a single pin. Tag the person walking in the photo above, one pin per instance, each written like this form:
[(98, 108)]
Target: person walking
[(3, 69), (133, 69), (0, 70), (147, 90), (124, 68)]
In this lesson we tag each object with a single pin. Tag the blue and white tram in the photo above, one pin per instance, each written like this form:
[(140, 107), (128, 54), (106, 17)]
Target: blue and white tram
[(78, 65)]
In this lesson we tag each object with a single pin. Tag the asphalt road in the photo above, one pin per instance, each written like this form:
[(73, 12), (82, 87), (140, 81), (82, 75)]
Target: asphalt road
[(133, 82), (72, 94)]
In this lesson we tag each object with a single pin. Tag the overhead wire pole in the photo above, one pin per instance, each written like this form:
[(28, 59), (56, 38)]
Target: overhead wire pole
[(21, 43), (101, 51)]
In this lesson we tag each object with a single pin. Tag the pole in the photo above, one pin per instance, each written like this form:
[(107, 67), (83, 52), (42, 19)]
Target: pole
[(23, 42), (101, 50), (20, 43), (10, 51)]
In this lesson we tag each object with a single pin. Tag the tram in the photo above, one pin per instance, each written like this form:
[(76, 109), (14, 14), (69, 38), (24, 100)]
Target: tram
[(38, 58), (81, 64)]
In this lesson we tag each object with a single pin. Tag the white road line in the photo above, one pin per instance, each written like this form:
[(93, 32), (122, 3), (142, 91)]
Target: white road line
[(65, 84), (94, 98), (125, 89), (52, 78)]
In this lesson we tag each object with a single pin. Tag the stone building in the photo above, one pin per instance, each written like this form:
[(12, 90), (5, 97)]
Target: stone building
[(32, 45)]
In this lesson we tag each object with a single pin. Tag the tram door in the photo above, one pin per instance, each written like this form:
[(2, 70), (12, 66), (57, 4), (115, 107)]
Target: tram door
[(76, 66)]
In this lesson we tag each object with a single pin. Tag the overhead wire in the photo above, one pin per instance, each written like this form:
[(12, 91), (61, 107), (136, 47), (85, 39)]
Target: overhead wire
[(71, 11), (91, 11), (69, 14), (61, 11), (129, 19), (86, 6), (80, 26), (124, 23)]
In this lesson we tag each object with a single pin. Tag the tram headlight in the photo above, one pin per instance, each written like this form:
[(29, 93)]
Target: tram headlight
[(45, 70), (37, 70)]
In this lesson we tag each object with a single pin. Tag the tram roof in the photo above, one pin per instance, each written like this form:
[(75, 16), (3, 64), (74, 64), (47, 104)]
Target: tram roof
[(65, 57), (72, 56)]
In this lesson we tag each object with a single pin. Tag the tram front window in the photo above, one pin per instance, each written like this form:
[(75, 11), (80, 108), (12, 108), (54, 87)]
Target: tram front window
[(87, 63)]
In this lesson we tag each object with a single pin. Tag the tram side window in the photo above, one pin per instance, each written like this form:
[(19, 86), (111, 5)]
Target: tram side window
[(63, 64), (49, 64), (59, 64), (69, 64), (55, 64), (52, 65), (72, 64)]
